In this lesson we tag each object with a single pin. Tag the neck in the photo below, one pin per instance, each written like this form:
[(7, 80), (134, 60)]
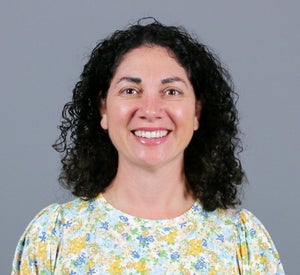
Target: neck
[(150, 193)]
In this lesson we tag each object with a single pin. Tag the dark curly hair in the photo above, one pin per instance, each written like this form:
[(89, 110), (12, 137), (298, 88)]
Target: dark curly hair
[(212, 168)]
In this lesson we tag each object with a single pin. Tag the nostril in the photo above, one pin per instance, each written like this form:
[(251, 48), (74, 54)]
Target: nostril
[(146, 112)]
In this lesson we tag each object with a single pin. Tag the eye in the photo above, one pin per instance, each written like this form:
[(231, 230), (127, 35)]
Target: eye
[(172, 92), (129, 91)]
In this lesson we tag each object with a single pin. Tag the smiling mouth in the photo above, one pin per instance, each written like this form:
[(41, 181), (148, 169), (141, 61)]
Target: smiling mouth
[(151, 134)]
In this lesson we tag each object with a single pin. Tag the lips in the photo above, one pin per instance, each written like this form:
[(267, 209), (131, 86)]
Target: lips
[(151, 134)]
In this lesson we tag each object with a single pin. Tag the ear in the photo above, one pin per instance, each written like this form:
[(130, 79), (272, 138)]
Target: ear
[(103, 121), (198, 109)]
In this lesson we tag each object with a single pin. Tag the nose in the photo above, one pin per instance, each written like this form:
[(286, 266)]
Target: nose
[(151, 107)]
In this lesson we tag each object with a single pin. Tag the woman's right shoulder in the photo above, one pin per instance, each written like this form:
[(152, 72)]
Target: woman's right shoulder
[(50, 216), (53, 216), (41, 236), (38, 246)]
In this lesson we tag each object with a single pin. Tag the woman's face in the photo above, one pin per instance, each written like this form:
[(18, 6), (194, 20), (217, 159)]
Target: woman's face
[(150, 111)]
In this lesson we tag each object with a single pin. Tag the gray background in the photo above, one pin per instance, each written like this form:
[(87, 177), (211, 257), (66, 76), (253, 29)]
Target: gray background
[(44, 45)]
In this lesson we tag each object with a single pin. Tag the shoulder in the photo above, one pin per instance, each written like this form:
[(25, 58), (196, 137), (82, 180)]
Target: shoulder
[(57, 217), (252, 231), (256, 249), (54, 215), (40, 237), (46, 220), (242, 220), (52, 222), (39, 244)]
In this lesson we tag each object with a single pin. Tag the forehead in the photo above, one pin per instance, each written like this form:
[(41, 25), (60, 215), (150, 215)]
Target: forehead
[(150, 59)]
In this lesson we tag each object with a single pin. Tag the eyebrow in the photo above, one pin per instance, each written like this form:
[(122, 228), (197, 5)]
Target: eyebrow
[(130, 79), (172, 79), (138, 80)]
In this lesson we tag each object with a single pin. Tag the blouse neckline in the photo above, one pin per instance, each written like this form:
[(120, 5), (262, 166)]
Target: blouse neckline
[(196, 207)]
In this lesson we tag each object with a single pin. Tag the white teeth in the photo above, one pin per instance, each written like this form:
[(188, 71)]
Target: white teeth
[(151, 134)]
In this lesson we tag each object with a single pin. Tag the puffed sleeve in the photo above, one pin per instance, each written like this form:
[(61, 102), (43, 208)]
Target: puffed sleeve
[(257, 253), (38, 247)]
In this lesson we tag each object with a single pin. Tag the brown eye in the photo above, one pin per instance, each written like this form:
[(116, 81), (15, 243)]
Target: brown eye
[(172, 92), (129, 91)]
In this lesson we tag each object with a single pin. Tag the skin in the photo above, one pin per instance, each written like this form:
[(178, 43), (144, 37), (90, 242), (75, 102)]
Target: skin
[(151, 114)]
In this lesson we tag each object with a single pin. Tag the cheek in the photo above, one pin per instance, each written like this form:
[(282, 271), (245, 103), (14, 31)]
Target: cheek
[(188, 120), (119, 114), (185, 116)]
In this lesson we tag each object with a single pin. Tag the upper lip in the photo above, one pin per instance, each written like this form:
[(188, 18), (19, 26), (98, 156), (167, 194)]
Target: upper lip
[(151, 129)]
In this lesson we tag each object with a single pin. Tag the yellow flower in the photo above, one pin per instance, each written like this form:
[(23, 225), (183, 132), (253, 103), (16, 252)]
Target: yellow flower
[(82, 205), (68, 205), (77, 225), (115, 267), (24, 268), (183, 270), (192, 226), (194, 247), (65, 270), (77, 244), (243, 217), (94, 249), (171, 237), (261, 258), (212, 272), (141, 267), (120, 228), (42, 251), (243, 250)]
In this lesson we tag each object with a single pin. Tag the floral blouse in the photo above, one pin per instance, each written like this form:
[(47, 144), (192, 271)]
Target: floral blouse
[(92, 237)]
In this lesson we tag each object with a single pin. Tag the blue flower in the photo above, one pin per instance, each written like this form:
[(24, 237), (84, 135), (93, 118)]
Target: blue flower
[(67, 224), (196, 207), (150, 239), (252, 232), (175, 256), (201, 264), (183, 225), (53, 232), (135, 254), (91, 271), (80, 260), (91, 206), (221, 238), (104, 225), (123, 218), (43, 237), (144, 241)]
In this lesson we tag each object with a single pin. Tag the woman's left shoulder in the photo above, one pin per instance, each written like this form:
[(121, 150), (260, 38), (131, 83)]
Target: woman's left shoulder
[(256, 249), (245, 222), (242, 218), (250, 228)]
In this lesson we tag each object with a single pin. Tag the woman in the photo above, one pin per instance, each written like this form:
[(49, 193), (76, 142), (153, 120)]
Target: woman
[(149, 145)]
